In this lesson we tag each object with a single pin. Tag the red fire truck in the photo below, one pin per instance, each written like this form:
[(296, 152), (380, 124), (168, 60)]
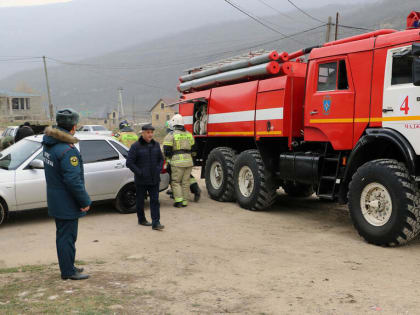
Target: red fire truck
[(344, 123)]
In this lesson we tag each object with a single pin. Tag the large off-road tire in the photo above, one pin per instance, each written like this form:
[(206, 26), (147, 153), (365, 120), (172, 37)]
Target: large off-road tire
[(3, 211), (384, 203), (255, 188), (126, 199), (219, 174), (294, 189)]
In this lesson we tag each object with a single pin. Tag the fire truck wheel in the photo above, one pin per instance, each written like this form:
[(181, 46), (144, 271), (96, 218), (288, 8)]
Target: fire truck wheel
[(254, 187), (294, 189), (384, 203), (219, 174)]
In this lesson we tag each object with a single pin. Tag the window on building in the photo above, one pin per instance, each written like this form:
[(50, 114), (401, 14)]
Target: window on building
[(157, 116), (402, 72), (162, 105), (327, 76), (94, 151), (28, 103), (20, 103), (168, 117), (15, 104)]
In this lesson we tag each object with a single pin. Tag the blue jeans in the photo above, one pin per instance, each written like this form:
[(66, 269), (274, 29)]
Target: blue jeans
[(153, 191), (66, 237)]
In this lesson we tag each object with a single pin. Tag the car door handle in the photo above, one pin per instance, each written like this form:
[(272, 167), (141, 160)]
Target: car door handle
[(119, 165), (314, 112)]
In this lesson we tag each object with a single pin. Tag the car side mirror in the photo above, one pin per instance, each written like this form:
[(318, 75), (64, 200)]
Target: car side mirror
[(36, 164)]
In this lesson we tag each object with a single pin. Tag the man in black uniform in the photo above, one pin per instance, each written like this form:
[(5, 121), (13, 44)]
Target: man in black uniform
[(66, 194), (24, 131), (145, 160)]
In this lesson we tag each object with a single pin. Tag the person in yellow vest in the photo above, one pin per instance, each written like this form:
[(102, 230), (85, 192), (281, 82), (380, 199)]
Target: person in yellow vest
[(126, 135), (178, 148), (194, 188)]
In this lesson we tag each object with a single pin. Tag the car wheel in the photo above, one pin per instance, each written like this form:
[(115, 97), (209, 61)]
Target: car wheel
[(3, 211), (126, 199)]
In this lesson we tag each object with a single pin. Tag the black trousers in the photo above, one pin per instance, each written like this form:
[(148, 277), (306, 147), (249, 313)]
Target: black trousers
[(66, 237), (153, 191)]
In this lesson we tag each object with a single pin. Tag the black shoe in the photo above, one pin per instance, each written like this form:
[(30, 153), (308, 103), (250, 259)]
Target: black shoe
[(158, 227), (178, 204), (79, 270), (76, 276), (197, 197), (145, 223)]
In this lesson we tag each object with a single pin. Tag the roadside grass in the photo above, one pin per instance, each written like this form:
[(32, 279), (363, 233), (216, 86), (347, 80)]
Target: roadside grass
[(38, 289)]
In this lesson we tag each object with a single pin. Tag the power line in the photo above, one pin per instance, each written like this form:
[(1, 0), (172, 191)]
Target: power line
[(276, 10), (307, 14), (256, 19), (318, 20)]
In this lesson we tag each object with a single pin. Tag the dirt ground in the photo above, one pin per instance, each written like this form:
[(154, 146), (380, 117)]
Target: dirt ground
[(302, 256)]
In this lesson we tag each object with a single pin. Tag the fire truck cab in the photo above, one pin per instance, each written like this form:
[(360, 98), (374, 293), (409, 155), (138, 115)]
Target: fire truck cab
[(344, 124)]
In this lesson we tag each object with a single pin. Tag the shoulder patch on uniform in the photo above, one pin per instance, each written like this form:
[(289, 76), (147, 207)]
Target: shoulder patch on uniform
[(74, 161)]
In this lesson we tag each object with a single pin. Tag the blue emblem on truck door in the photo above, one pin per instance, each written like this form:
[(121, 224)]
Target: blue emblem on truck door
[(326, 105)]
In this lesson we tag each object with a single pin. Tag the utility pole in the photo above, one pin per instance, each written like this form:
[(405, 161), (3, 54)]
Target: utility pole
[(121, 113), (132, 109), (327, 35), (50, 105), (336, 25)]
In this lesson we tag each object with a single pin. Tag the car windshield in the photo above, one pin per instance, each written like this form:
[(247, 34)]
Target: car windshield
[(99, 128), (12, 157)]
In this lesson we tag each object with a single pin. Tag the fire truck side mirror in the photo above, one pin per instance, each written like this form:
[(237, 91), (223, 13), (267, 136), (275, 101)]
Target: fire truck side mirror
[(416, 63), (416, 71), (415, 49)]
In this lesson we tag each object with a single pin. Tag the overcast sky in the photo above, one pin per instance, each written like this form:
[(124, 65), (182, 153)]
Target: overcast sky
[(280, 3), (79, 29)]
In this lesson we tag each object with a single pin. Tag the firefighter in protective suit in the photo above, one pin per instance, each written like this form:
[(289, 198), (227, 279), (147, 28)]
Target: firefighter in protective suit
[(194, 188), (126, 135), (178, 147)]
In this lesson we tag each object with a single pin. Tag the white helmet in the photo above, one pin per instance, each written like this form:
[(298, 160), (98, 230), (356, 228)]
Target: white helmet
[(176, 120)]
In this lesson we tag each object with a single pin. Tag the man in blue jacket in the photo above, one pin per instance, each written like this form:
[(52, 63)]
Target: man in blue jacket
[(66, 193), (145, 160)]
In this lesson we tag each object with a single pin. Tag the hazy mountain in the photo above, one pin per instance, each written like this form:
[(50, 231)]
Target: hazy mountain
[(149, 70)]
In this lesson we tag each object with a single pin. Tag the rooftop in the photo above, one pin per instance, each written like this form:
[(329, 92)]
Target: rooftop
[(15, 94)]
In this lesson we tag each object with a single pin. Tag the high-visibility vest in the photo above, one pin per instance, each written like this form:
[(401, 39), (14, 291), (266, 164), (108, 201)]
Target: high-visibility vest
[(181, 143), (127, 138)]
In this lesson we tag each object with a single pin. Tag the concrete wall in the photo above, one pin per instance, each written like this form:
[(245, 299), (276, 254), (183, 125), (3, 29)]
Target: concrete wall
[(35, 112)]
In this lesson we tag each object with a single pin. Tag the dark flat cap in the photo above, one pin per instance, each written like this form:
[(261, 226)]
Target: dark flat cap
[(148, 127)]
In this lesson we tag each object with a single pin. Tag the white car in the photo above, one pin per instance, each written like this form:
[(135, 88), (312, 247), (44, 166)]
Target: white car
[(95, 129), (9, 131), (22, 179)]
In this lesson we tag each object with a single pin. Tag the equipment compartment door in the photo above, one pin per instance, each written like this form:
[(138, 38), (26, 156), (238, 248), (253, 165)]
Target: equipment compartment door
[(269, 114), (329, 108)]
